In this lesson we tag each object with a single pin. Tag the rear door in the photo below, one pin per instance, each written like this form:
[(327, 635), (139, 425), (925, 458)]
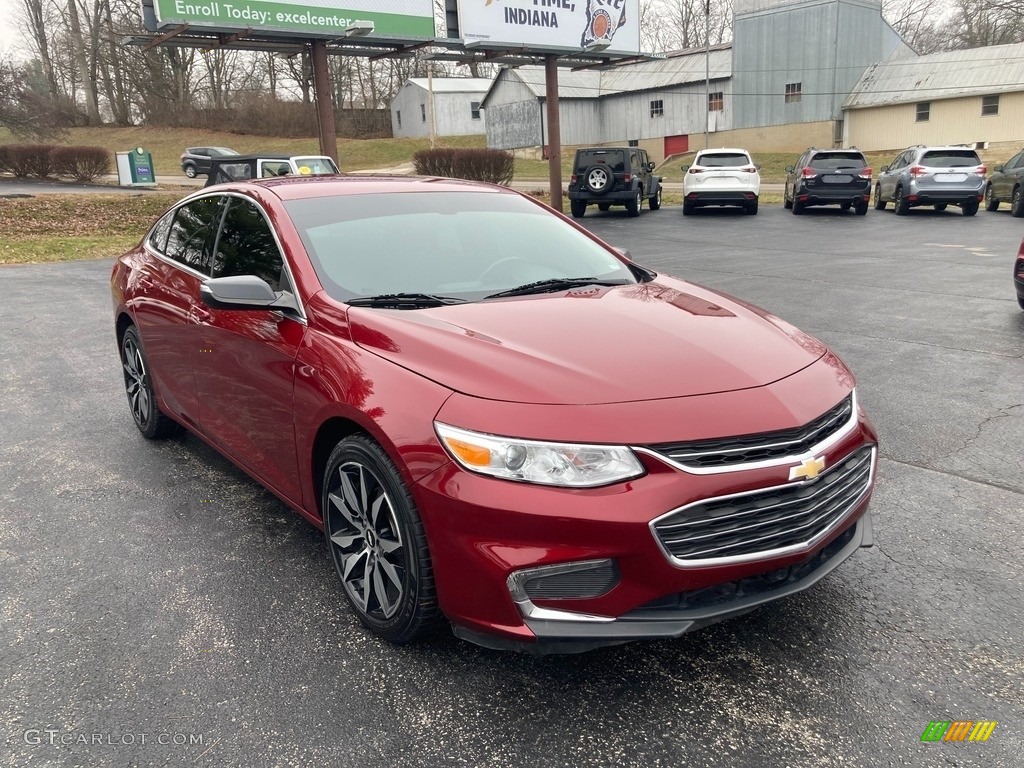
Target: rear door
[(948, 169), (887, 180), (244, 361)]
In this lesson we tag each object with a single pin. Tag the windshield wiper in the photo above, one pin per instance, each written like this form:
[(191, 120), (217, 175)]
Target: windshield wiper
[(404, 301), (555, 284)]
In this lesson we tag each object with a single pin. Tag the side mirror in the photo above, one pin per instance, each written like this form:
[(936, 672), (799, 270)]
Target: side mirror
[(790, 168), (240, 292), (650, 166), (998, 168), (685, 168), (885, 169), (758, 167)]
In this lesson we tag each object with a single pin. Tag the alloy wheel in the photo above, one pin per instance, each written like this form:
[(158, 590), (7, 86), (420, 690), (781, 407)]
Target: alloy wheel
[(366, 540), (135, 382)]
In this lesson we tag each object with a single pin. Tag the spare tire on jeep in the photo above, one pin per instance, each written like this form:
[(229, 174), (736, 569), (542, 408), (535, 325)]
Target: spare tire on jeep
[(598, 179)]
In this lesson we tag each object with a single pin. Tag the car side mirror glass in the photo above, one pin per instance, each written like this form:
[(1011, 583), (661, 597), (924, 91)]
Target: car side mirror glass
[(998, 168), (685, 168), (758, 167), (238, 292), (790, 168), (885, 168), (650, 166)]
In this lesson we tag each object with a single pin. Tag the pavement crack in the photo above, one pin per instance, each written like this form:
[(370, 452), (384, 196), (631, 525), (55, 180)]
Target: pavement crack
[(1001, 413), (959, 475)]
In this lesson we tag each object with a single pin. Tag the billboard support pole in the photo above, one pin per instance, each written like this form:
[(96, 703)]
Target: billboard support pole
[(324, 105), (554, 132)]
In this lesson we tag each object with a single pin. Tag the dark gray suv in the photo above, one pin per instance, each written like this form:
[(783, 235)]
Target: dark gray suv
[(196, 160), (936, 176), (607, 176), (1007, 186)]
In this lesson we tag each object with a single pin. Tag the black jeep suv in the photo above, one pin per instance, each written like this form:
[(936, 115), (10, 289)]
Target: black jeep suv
[(828, 177), (608, 176)]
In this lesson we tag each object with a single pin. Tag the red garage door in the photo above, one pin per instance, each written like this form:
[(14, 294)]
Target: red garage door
[(676, 145)]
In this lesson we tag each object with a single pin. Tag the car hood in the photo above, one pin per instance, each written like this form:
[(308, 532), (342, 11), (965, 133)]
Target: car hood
[(661, 339)]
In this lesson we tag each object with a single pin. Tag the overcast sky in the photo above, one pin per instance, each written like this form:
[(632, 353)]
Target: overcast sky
[(9, 35)]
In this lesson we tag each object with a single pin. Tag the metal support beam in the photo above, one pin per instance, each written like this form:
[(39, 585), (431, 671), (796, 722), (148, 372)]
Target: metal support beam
[(402, 51), (165, 37), (324, 105), (554, 132)]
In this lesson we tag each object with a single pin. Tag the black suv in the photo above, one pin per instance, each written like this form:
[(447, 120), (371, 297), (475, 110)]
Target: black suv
[(196, 160), (608, 176), (1006, 185), (828, 177)]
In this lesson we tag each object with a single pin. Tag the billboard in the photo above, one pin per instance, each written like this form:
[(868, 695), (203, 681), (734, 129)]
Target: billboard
[(315, 18), (555, 25)]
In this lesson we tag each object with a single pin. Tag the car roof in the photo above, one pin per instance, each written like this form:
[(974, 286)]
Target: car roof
[(304, 187), (722, 150)]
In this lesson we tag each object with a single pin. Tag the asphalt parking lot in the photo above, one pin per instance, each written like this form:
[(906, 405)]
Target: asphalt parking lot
[(152, 594)]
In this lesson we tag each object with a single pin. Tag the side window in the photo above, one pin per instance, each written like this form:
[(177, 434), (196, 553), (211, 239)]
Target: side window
[(246, 246), (1017, 161), (189, 239), (158, 237)]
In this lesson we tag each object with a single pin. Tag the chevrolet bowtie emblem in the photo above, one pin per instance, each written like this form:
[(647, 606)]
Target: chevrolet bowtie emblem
[(808, 469)]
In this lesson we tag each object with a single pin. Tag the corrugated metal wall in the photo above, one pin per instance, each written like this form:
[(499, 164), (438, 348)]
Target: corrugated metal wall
[(452, 113), (825, 45), (627, 116), (579, 120), (950, 121)]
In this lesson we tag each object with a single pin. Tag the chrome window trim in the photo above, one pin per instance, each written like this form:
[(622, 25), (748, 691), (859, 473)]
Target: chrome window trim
[(792, 549), (263, 211), (810, 453)]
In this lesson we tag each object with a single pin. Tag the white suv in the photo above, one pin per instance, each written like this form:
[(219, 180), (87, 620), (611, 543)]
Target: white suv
[(721, 177)]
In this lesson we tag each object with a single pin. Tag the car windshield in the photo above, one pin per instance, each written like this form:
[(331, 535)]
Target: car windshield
[(723, 160), (836, 160), (951, 158), (465, 245), (614, 158), (315, 166)]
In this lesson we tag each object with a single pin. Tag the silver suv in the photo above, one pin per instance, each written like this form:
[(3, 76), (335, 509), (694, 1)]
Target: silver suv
[(937, 176)]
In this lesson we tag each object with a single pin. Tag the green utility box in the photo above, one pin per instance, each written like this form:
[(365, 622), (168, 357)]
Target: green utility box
[(135, 168)]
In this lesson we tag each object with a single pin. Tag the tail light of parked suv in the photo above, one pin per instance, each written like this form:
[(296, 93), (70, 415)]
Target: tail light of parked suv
[(865, 173), (981, 170), (627, 177), (696, 170), (749, 169), (809, 173), (917, 170), (573, 179)]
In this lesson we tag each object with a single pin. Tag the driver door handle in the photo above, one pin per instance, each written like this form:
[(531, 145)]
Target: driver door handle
[(199, 315)]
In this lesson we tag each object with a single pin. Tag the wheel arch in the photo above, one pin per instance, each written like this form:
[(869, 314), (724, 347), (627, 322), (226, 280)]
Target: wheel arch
[(123, 323), (328, 435)]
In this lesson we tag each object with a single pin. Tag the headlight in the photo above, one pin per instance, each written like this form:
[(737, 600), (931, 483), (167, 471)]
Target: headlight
[(530, 461)]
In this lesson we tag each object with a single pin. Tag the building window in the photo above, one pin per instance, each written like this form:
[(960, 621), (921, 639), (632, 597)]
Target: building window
[(793, 92), (474, 109), (657, 108), (423, 113), (989, 105), (634, 142), (924, 111), (716, 102), (398, 116)]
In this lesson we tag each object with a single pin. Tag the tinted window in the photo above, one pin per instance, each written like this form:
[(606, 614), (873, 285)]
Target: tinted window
[(465, 244), (246, 245), (189, 239), (614, 158), (950, 158), (723, 160), (1015, 161), (834, 160), (158, 237), (234, 171)]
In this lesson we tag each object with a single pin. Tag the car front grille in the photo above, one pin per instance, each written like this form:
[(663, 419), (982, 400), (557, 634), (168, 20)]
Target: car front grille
[(734, 451), (753, 523)]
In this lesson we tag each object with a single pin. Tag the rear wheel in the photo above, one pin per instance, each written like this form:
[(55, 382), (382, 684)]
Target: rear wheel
[(798, 208), (991, 202), (633, 206), (688, 209), (1017, 204), (861, 209), (879, 200), (751, 208), (970, 208), (376, 540), (900, 203), (844, 206), (138, 385), (940, 206), (578, 208), (603, 206), (654, 203)]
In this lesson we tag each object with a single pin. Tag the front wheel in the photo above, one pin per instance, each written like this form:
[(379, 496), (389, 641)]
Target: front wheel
[(1017, 204), (940, 206), (603, 207), (376, 541), (991, 202), (655, 202), (861, 209), (138, 385), (879, 200), (190, 171), (578, 208), (969, 209), (844, 206), (633, 206)]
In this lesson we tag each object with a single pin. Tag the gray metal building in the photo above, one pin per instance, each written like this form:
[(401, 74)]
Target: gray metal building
[(456, 107)]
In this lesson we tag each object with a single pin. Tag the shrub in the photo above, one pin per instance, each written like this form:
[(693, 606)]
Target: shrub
[(492, 165), (81, 163), (30, 160)]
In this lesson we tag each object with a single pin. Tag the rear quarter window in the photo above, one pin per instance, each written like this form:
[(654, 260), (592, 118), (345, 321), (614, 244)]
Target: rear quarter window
[(951, 158)]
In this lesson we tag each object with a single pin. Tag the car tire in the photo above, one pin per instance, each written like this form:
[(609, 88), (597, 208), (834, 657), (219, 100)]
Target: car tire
[(376, 541), (688, 209), (971, 208), (633, 206), (190, 171), (844, 206), (603, 206), (1017, 204), (751, 208), (786, 202), (879, 200), (598, 179), (153, 423), (798, 208), (861, 209), (900, 203), (654, 203), (940, 206), (578, 208), (991, 201)]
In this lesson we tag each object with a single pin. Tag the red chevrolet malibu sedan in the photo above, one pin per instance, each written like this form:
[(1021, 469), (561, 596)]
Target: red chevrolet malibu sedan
[(496, 418)]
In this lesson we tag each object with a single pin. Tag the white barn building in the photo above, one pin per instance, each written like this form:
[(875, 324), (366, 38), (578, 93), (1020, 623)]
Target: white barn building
[(456, 107)]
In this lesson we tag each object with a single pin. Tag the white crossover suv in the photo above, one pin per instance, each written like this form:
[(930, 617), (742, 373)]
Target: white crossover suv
[(721, 177)]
